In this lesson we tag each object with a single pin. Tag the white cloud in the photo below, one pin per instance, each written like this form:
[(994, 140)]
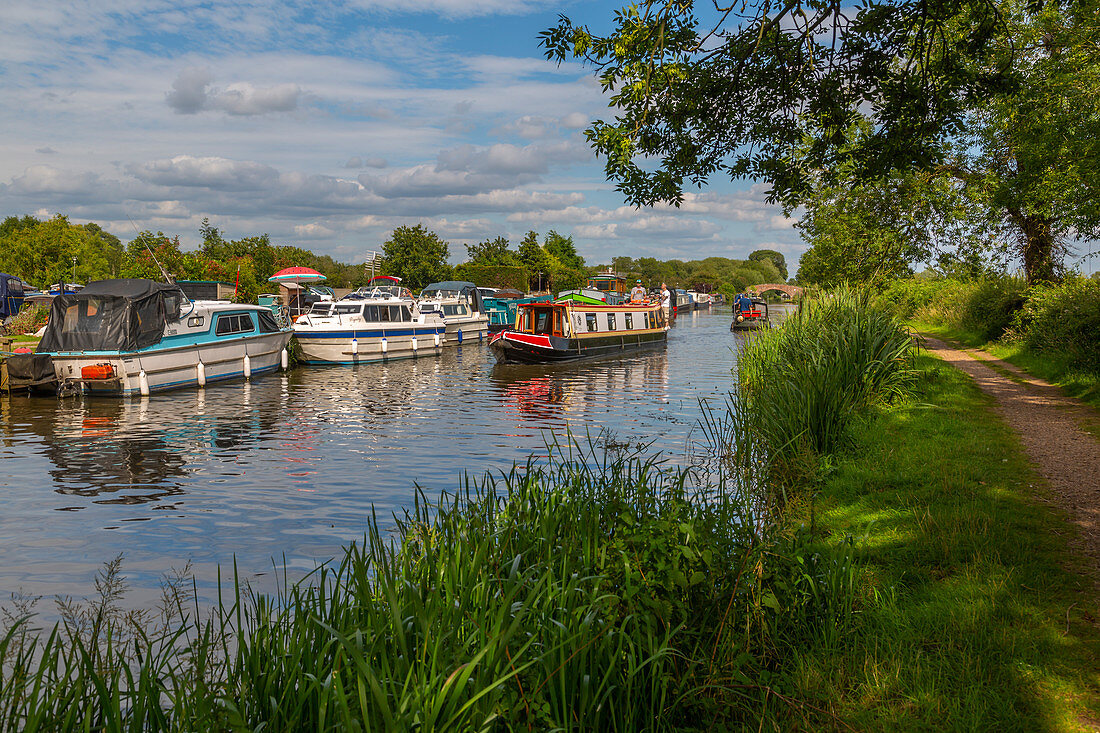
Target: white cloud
[(313, 231), (207, 172), (575, 121), (190, 95)]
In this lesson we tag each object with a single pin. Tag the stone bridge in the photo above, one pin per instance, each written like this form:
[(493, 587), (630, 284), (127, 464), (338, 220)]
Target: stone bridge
[(793, 291)]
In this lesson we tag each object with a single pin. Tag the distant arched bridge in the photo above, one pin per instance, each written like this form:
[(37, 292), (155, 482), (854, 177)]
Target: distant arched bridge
[(793, 291)]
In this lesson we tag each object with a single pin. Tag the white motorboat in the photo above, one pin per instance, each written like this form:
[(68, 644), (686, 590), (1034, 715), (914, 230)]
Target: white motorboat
[(356, 330), (127, 337), (459, 305)]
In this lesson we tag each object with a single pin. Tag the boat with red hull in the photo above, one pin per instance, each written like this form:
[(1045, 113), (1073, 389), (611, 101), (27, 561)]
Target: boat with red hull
[(567, 330)]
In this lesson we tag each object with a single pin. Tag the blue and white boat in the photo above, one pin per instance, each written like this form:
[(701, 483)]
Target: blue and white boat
[(361, 329), (129, 337)]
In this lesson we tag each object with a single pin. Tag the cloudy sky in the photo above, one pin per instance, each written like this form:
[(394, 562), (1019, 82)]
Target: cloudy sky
[(328, 124)]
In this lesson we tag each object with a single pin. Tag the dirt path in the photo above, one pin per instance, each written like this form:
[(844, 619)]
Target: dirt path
[(1049, 426)]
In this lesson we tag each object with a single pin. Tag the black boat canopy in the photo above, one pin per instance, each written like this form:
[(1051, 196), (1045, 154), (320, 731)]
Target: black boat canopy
[(111, 315)]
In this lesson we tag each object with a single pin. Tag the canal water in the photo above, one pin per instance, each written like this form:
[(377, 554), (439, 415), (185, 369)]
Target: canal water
[(288, 467)]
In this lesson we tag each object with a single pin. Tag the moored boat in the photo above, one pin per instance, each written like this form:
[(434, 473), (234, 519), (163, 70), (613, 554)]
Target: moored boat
[(362, 330), (684, 303), (126, 337), (503, 306), (459, 304), (567, 330)]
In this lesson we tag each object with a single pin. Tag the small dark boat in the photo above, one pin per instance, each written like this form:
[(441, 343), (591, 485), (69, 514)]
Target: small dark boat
[(749, 313), (567, 330)]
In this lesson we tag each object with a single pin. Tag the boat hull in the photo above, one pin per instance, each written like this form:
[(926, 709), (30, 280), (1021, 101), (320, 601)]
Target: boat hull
[(364, 346), (462, 331), (520, 348), (173, 367)]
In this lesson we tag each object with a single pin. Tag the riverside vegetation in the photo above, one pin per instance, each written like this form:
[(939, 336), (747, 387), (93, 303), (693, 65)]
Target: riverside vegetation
[(606, 589), (1049, 329)]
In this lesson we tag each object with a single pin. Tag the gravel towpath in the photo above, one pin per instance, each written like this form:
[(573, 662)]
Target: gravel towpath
[(1050, 426)]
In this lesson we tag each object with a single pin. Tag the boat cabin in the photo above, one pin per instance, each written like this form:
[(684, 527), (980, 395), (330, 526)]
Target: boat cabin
[(608, 283)]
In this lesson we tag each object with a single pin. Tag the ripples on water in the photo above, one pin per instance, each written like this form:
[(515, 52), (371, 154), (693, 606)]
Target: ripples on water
[(291, 464)]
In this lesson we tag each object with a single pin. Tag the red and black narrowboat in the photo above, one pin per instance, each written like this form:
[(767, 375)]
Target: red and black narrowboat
[(567, 330)]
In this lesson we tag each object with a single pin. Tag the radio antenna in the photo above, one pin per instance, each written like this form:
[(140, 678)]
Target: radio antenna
[(149, 249), (167, 278)]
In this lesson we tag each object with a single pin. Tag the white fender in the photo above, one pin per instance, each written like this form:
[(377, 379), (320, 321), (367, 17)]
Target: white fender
[(385, 345), (247, 367), (284, 360), (414, 344), (437, 339), (143, 383), (200, 371), (355, 346)]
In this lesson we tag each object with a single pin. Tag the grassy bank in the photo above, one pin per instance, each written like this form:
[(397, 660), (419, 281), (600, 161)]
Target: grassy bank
[(853, 544), (1052, 366), (1049, 330), (973, 612)]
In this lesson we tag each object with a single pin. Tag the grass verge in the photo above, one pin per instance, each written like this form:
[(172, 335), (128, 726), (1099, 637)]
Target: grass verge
[(973, 611), (1052, 367)]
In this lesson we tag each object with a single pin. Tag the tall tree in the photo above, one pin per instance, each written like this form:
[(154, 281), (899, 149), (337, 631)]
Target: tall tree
[(1032, 153), (416, 255), (563, 250), (493, 252), (700, 89), (776, 258)]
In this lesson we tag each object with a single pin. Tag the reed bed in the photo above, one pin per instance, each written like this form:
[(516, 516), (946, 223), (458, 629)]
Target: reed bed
[(831, 360), (601, 589)]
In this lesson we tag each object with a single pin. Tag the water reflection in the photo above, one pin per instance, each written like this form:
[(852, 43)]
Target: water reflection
[(292, 465)]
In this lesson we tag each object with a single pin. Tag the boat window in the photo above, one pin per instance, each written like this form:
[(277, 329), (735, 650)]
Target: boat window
[(320, 309), (611, 322), (347, 309), (629, 321), (195, 321), (234, 323), (542, 322), (406, 314), (591, 320), (370, 313), (268, 324)]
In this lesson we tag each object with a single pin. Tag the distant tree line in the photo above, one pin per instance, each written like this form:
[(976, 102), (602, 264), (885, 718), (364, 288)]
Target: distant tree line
[(56, 251)]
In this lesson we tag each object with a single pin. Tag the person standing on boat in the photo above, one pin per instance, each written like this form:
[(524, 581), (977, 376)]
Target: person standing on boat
[(637, 295), (666, 300)]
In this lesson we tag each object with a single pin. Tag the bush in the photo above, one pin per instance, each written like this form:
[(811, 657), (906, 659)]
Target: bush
[(907, 295), (985, 308), (1063, 319), (29, 320), (494, 276)]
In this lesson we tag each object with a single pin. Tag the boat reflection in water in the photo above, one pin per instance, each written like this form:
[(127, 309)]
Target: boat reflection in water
[(143, 451), (571, 395)]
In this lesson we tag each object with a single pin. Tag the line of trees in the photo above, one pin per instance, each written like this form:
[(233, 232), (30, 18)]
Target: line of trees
[(56, 250)]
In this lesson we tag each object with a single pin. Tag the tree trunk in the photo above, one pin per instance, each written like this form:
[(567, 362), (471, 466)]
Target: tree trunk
[(1036, 245)]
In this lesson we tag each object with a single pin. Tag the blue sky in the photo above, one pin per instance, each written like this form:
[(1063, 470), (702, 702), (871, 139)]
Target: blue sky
[(328, 124)]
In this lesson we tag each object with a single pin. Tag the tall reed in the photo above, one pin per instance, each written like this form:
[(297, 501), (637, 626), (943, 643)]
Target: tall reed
[(830, 360)]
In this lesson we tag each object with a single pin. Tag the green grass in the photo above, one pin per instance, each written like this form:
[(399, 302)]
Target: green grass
[(1051, 367), (974, 611)]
